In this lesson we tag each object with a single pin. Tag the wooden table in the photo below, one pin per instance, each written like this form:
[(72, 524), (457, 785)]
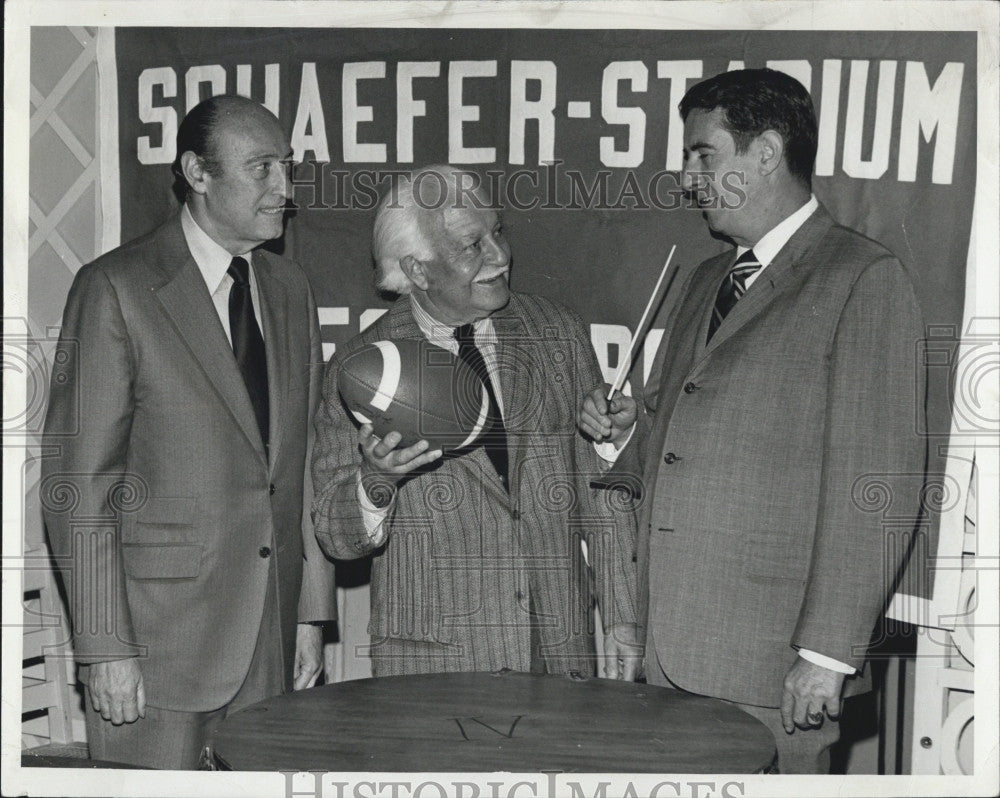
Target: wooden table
[(483, 722)]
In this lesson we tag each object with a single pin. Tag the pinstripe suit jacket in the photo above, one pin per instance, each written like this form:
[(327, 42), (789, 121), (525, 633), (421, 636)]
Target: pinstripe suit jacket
[(760, 533), (462, 555), (159, 495)]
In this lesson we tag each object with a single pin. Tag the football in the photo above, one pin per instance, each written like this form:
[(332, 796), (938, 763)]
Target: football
[(418, 389)]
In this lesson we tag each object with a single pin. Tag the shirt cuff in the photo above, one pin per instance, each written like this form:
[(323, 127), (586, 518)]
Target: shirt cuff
[(826, 662), (373, 517), (608, 452)]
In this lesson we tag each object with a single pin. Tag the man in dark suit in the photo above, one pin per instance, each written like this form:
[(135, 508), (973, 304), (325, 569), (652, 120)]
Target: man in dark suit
[(786, 382), (179, 416), (478, 560)]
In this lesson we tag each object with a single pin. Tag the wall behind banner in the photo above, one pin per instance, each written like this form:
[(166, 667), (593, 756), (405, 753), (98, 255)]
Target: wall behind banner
[(578, 135), (901, 167)]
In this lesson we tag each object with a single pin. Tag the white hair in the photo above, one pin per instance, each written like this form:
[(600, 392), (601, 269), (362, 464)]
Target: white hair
[(398, 231)]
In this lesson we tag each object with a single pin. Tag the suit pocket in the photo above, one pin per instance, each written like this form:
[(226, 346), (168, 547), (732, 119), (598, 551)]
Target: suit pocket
[(162, 520), (162, 562)]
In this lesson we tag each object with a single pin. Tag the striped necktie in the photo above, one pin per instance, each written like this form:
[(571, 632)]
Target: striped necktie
[(494, 439), (732, 288)]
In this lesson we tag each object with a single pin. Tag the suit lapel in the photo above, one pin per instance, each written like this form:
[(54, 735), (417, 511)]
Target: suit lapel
[(508, 327), (771, 282), (274, 321), (715, 273), (188, 304)]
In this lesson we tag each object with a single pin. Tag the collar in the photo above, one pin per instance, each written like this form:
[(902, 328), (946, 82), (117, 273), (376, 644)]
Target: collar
[(774, 239), (443, 335), (212, 259)]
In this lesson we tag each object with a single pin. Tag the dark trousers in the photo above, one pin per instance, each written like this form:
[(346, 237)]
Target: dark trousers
[(175, 740), (804, 751)]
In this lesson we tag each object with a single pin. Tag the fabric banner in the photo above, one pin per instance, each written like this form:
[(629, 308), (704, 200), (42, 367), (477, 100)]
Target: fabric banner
[(577, 135)]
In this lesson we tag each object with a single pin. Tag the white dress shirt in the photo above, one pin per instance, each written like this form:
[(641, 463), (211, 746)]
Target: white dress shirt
[(213, 263), (443, 336), (765, 251)]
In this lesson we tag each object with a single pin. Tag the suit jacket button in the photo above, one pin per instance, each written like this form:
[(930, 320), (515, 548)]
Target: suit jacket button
[(265, 552), (270, 489), (670, 458), (690, 388)]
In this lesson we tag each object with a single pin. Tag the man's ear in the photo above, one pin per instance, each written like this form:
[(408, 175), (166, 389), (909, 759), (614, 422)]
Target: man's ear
[(194, 172), (771, 150), (415, 271)]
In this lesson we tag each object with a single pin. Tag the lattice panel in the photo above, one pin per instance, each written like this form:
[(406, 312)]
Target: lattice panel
[(64, 232), (944, 717), (64, 188)]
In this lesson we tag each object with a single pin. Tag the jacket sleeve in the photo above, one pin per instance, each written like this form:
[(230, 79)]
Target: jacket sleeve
[(318, 597), (607, 517), (873, 464), (85, 487), (336, 512)]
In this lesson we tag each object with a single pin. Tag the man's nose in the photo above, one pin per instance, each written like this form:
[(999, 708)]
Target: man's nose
[(281, 179), (687, 181), (498, 251)]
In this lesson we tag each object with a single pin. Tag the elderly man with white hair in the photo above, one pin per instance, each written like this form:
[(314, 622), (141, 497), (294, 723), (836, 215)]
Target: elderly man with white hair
[(493, 556)]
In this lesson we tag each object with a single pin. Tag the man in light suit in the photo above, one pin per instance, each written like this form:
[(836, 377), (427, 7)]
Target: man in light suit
[(786, 385), (478, 563), (179, 419)]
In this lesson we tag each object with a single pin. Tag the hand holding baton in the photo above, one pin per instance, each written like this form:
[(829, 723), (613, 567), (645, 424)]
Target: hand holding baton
[(642, 329)]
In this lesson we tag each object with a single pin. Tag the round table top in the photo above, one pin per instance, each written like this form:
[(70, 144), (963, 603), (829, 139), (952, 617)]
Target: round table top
[(484, 722)]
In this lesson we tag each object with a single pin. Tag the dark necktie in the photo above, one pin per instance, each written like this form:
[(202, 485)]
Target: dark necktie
[(494, 438), (732, 288), (248, 344)]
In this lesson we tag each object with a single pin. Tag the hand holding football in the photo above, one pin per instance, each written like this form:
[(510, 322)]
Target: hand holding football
[(416, 389)]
